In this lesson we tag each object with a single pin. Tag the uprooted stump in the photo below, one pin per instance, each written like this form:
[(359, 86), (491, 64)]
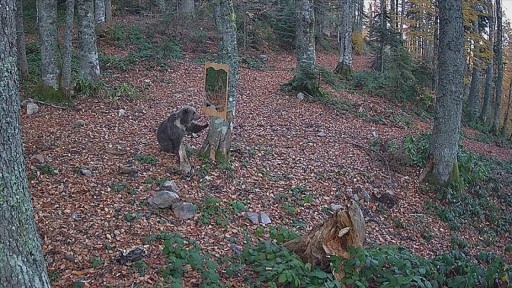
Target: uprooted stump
[(344, 229)]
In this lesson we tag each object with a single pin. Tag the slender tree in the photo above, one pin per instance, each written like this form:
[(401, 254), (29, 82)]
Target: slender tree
[(489, 72), (218, 141), (22, 262), (47, 24), (344, 66), (88, 51), (20, 40), (108, 11), (65, 79), (498, 53), (187, 8), (305, 79), (507, 112), (448, 108), (99, 12)]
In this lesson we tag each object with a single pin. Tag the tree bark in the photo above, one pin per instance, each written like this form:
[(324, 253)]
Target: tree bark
[(22, 262), (87, 49), (448, 108), (108, 11), (507, 112), (344, 66), (65, 79), (489, 73), (499, 65), (305, 78), (47, 23), (473, 94), (99, 12), (218, 141), (187, 8), (20, 41), (346, 228)]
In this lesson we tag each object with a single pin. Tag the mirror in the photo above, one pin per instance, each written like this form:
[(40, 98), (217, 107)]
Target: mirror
[(216, 87)]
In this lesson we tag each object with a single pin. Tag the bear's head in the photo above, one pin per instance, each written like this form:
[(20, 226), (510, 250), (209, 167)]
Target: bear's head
[(187, 115)]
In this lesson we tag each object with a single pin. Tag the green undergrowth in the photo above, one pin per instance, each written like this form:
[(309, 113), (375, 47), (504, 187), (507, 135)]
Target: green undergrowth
[(265, 263)]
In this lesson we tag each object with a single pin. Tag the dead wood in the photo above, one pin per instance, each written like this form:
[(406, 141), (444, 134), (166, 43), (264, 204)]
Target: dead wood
[(343, 229)]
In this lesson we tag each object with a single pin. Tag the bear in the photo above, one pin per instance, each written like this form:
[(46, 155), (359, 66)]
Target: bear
[(171, 131)]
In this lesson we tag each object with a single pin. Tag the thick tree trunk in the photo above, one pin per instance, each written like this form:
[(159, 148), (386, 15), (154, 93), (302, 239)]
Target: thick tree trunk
[(448, 108), (20, 41), (22, 262), (65, 79), (88, 51), (47, 22), (305, 79), (187, 8), (344, 229), (99, 12), (499, 65), (218, 141), (344, 66), (507, 112)]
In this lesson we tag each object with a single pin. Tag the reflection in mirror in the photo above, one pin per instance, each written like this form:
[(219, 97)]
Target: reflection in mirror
[(216, 87)]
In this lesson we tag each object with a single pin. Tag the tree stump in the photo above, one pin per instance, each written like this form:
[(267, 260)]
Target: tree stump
[(344, 229), (185, 166)]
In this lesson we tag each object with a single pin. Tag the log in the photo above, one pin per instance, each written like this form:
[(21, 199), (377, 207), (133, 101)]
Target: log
[(343, 229)]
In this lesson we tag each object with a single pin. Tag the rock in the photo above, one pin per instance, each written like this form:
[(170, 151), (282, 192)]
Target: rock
[(335, 207), (253, 217), (127, 170), (133, 255), (388, 198), (121, 112), (263, 57), (32, 108), (79, 123), (356, 197), (170, 184), (321, 134), (365, 195), (85, 172), (164, 199), (300, 96), (374, 134), (39, 158), (184, 210), (264, 218)]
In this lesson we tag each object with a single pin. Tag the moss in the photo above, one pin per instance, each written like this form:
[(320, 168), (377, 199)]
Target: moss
[(455, 181)]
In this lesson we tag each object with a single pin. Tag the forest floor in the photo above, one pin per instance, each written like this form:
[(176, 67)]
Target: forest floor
[(283, 150)]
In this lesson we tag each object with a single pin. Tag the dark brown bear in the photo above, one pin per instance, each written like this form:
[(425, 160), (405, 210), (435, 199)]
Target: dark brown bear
[(171, 131)]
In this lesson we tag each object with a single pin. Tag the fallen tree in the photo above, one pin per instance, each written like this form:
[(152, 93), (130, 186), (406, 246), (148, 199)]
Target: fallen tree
[(345, 228)]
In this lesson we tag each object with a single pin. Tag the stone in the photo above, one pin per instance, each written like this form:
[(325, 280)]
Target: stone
[(32, 108), (184, 210), (253, 217), (86, 172), (300, 96), (79, 123), (264, 218), (335, 207), (170, 184), (164, 199)]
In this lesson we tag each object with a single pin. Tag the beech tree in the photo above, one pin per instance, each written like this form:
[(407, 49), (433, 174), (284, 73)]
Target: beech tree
[(47, 24), (218, 141), (344, 66), (498, 54), (448, 107), (489, 72), (22, 262), (65, 79), (20, 40), (99, 12), (87, 49)]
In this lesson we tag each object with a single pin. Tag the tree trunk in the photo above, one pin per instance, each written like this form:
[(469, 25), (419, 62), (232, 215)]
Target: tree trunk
[(382, 32), (108, 11), (22, 262), (344, 67), (218, 141), (99, 12), (187, 8), (448, 108), (489, 73), (47, 22), (305, 79), (20, 41), (344, 229), (87, 49), (65, 79), (505, 120), (473, 94), (499, 65)]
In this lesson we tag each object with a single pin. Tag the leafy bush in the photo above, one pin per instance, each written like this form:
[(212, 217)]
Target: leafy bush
[(416, 148)]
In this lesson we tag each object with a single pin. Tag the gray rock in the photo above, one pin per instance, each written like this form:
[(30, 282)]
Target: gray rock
[(86, 172), (300, 96), (253, 217), (335, 207), (164, 199), (170, 184), (321, 134), (121, 112), (184, 210), (264, 218), (32, 108), (263, 57), (79, 123), (365, 195), (356, 197)]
